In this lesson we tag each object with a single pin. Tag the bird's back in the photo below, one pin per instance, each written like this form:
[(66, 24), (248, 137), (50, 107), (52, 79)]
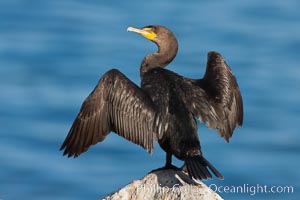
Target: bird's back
[(165, 88)]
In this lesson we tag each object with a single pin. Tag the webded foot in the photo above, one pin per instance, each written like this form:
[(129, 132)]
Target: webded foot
[(184, 168), (166, 168)]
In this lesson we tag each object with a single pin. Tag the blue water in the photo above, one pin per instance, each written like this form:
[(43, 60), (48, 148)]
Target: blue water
[(52, 54)]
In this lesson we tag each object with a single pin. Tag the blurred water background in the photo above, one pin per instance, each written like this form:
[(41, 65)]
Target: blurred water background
[(52, 54)]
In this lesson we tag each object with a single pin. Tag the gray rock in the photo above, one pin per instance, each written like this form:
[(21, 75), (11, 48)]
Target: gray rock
[(164, 185)]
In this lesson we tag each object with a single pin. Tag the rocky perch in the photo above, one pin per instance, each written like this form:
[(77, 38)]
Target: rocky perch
[(164, 185)]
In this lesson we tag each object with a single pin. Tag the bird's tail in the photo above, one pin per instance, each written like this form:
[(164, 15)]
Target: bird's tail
[(197, 168)]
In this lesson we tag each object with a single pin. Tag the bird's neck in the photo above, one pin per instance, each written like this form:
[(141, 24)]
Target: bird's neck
[(161, 58)]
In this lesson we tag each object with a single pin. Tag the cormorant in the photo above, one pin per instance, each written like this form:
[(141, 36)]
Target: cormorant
[(163, 109)]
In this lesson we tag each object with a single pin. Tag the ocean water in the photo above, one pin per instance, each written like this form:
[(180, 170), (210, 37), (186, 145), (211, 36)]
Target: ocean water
[(52, 53)]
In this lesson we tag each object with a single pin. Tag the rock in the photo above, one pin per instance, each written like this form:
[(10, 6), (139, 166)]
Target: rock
[(164, 185)]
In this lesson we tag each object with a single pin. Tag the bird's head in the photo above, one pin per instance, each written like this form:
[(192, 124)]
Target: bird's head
[(160, 35), (165, 41)]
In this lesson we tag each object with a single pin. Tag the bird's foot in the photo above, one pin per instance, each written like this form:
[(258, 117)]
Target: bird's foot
[(183, 168), (166, 167)]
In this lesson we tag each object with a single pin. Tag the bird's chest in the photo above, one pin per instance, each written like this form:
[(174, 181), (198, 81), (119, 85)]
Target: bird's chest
[(162, 89), (165, 92), (159, 95)]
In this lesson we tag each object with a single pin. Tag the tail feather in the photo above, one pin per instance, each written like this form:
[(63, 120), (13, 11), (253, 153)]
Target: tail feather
[(196, 171), (204, 170), (197, 167)]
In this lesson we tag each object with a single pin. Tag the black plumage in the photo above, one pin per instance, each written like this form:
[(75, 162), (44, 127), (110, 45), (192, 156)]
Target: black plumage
[(163, 109)]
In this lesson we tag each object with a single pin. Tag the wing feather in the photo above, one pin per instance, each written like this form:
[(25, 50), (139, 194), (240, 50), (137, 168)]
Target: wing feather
[(116, 104), (216, 99)]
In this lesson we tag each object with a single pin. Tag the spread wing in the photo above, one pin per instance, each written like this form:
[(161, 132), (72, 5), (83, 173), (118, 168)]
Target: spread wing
[(117, 105), (216, 99)]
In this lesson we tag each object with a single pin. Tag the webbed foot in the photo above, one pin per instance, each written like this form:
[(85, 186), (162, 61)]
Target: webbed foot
[(166, 167)]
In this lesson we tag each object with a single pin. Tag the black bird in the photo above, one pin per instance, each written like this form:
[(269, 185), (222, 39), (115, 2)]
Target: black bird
[(163, 109)]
